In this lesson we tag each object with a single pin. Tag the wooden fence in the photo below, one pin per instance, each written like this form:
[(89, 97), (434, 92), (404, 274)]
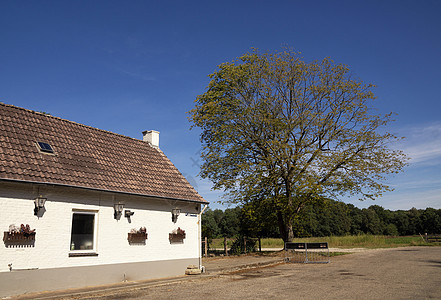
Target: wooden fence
[(430, 238), (225, 251)]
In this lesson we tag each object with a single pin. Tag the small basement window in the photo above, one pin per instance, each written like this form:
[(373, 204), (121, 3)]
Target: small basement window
[(45, 147), (83, 229)]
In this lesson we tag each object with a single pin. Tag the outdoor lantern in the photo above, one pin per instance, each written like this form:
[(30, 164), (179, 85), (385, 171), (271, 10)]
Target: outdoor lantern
[(39, 204), (128, 213), (175, 214), (118, 210)]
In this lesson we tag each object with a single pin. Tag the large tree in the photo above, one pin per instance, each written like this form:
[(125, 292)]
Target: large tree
[(280, 132)]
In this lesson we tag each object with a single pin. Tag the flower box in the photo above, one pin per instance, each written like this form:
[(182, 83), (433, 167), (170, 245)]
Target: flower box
[(138, 237), (18, 237), (177, 235)]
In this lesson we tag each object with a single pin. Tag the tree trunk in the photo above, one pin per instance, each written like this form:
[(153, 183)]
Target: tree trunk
[(289, 217), (285, 227), (281, 224), (290, 232)]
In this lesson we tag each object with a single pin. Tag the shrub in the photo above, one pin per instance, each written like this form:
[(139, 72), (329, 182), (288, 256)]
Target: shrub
[(238, 246)]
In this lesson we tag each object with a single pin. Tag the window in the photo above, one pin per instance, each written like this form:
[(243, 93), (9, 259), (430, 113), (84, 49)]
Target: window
[(83, 231), (45, 147)]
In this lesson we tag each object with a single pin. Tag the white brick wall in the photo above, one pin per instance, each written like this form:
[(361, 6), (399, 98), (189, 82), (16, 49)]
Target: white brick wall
[(53, 229)]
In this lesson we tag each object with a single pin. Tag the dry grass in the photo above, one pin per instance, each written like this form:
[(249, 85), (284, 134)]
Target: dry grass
[(357, 241)]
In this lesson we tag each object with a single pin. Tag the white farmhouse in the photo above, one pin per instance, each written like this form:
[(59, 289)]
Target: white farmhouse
[(101, 207)]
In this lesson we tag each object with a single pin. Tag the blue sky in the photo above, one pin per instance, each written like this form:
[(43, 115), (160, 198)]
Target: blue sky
[(129, 66)]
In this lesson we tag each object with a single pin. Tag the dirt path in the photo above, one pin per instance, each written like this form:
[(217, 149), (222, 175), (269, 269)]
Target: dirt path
[(400, 273)]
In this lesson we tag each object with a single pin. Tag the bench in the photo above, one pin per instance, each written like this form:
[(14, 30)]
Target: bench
[(307, 252)]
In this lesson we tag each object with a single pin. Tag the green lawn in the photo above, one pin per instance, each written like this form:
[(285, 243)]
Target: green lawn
[(357, 241)]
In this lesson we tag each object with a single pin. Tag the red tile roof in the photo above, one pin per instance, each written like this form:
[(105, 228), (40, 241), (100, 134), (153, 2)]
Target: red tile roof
[(85, 157)]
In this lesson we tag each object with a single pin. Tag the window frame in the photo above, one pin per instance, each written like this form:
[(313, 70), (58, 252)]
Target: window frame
[(42, 150), (85, 252)]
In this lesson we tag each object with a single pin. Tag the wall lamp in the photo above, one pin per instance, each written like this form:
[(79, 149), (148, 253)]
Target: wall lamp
[(128, 213), (39, 204), (175, 213), (118, 207)]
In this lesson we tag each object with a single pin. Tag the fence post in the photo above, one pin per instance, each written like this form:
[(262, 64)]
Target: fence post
[(260, 245), (225, 246), (206, 247)]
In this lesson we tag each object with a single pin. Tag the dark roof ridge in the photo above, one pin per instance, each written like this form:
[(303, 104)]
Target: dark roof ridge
[(76, 123)]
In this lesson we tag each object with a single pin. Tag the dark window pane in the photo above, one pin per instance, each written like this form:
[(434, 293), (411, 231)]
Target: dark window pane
[(45, 147), (82, 232)]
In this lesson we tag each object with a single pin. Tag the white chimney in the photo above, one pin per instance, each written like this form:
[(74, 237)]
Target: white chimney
[(151, 137)]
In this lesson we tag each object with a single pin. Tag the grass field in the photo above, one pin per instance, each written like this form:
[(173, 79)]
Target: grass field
[(356, 241)]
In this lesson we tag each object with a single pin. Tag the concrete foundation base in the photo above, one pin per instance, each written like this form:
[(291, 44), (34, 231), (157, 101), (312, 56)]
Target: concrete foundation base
[(30, 281)]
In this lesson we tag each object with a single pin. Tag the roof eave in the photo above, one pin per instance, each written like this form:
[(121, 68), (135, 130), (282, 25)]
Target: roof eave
[(103, 190)]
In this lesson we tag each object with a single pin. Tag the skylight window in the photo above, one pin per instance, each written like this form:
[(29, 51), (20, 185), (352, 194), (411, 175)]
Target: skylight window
[(45, 147)]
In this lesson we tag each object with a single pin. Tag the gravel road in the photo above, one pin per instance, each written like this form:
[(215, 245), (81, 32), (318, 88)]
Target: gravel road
[(399, 273)]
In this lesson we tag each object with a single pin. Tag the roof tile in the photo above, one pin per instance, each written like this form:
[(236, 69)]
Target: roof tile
[(85, 157)]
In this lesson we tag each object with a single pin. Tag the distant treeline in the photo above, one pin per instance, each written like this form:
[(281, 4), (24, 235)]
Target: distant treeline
[(326, 219)]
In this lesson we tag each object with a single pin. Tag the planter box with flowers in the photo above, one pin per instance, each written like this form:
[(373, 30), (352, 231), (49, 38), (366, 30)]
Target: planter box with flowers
[(19, 235), (137, 236), (177, 235)]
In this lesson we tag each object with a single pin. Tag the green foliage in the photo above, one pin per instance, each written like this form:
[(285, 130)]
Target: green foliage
[(218, 223), (338, 219), (238, 246), (430, 219), (210, 228), (391, 229), (258, 220), (230, 223), (280, 133), (324, 218)]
